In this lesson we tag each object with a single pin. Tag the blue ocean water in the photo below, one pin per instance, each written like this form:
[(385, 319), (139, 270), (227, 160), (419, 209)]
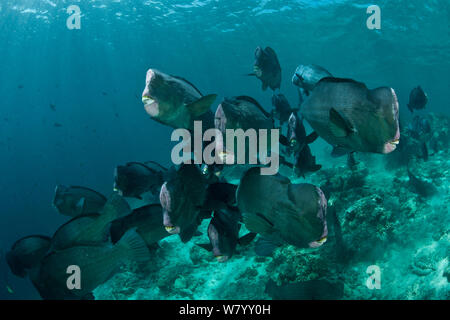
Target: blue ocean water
[(71, 105)]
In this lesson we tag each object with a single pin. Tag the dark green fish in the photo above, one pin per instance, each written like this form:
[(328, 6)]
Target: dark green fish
[(267, 68), (346, 114), (223, 234), (286, 213), (134, 179), (26, 253), (176, 102), (417, 99), (97, 264), (91, 228), (74, 200), (148, 222), (182, 197)]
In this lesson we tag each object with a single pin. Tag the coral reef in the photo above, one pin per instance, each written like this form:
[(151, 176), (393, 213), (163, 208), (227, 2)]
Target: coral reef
[(384, 222)]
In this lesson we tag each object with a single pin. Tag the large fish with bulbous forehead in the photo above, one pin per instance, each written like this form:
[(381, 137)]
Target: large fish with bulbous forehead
[(281, 211), (176, 102), (346, 114), (97, 264), (74, 201), (26, 253), (134, 178), (242, 112)]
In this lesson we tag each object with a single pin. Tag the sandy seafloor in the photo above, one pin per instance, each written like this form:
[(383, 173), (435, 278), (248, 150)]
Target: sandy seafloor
[(383, 221)]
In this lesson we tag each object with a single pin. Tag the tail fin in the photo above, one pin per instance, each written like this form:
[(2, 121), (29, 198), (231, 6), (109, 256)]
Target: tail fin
[(134, 246), (246, 239)]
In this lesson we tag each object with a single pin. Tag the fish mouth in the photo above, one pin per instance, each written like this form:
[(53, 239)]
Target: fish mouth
[(222, 258), (147, 100), (151, 106), (172, 229), (119, 192), (318, 243), (391, 145)]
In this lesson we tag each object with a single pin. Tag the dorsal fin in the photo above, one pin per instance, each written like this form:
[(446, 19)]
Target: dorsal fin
[(150, 162), (341, 80), (142, 165), (256, 103), (88, 215), (31, 236), (85, 188), (188, 82)]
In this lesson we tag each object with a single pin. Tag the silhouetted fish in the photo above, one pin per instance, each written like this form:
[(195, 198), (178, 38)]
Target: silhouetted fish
[(267, 68), (148, 222), (417, 99), (298, 144), (223, 234), (134, 178), (74, 200), (182, 197), (283, 109), (97, 264), (26, 253), (90, 229)]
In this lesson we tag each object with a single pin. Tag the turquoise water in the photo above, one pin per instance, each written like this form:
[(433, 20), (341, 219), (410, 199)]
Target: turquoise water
[(71, 111)]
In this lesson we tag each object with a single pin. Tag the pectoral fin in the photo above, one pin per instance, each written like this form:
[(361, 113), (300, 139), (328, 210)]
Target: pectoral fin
[(312, 137), (80, 205), (246, 239), (206, 246), (339, 152), (202, 105), (265, 247), (284, 140), (338, 125)]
